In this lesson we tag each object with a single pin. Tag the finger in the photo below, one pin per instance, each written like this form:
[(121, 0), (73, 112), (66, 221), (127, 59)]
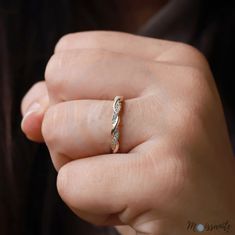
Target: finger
[(37, 93), (119, 42), (33, 107), (109, 186), (82, 128), (96, 74), (129, 44), (78, 194)]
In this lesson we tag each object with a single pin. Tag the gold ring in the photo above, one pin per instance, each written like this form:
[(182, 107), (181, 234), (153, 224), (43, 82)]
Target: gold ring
[(115, 132)]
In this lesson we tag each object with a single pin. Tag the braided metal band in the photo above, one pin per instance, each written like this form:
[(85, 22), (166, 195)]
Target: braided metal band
[(117, 107)]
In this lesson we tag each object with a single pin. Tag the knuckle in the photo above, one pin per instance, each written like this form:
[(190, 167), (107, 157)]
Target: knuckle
[(33, 93), (50, 125), (96, 39), (92, 39), (38, 85), (62, 65), (89, 39), (64, 42), (191, 79), (196, 81), (65, 186), (62, 182), (50, 69), (193, 75), (53, 70), (192, 52)]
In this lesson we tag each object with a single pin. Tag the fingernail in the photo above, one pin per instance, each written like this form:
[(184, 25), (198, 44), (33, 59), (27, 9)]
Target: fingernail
[(33, 108)]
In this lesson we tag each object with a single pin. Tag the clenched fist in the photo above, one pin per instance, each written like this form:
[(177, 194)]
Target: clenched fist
[(175, 165)]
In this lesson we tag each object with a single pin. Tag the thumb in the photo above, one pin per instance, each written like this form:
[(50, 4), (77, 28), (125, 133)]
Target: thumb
[(33, 106)]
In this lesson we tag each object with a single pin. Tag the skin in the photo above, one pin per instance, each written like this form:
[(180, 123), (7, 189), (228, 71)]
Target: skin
[(175, 162)]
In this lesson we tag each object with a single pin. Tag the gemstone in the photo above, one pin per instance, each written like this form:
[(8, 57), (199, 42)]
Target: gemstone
[(115, 117), (117, 106), (116, 135)]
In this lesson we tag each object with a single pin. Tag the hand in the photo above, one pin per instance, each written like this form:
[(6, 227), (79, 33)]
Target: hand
[(175, 163)]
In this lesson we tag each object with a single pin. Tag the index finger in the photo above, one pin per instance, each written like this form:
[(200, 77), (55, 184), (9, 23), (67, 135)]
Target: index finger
[(145, 47), (118, 42)]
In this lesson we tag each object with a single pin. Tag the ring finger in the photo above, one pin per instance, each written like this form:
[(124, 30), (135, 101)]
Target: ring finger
[(82, 128)]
